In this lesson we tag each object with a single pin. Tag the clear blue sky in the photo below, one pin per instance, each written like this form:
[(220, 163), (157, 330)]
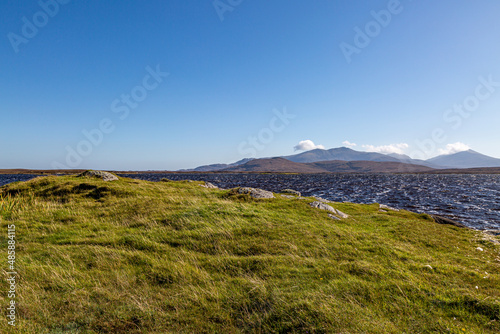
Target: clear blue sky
[(228, 79)]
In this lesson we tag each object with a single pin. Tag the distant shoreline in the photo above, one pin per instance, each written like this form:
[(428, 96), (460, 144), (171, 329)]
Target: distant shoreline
[(485, 170)]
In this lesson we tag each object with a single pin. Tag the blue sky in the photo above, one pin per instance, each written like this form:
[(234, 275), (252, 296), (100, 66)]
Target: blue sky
[(245, 78)]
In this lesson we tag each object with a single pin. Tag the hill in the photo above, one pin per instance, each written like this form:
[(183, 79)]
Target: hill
[(133, 256), (369, 167), (216, 167), (276, 165), (341, 153), (465, 159), (337, 166)]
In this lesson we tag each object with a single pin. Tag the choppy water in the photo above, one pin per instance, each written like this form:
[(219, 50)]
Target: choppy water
[(473, 200)]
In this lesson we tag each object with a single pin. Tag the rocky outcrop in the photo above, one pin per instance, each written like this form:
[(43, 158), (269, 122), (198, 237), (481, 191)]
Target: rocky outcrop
[(333, 217), (386, 207), (256, 193), (322, 200), (209, 185), (323, 206), (105, 176)]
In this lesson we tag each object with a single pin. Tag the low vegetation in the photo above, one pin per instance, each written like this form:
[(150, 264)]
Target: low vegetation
[(132, 256)]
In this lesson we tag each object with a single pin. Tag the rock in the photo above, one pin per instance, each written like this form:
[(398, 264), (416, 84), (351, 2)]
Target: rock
[(322, 206), (386, 207), (480, 249), (209, 185), (105, 176), (380, 210), (288, 196), (333, 217), (322, 200), (341, 214), (256, 193), (443, 220), (291, 191)]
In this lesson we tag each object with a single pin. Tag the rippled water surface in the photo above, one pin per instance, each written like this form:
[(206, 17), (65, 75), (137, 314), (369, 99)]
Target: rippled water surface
[(473, 200)]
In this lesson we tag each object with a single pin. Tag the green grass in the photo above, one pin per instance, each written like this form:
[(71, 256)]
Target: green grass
[(132, 256)]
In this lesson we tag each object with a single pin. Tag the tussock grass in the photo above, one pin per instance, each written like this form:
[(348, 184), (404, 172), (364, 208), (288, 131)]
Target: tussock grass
[(132, 256)]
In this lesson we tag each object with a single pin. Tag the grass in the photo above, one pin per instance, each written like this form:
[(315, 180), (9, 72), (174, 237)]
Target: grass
[(133, 256)]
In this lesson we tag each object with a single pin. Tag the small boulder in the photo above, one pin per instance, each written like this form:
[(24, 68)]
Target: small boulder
[(256, 193), (288, 196), (322, 206), (322, 200), (291, 191), (341, 214), (105, 176), (333, 217), (209, 185), (386, 207)]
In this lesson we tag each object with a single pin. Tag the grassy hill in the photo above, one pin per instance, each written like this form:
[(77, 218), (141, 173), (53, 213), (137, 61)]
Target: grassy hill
[(132, 256)]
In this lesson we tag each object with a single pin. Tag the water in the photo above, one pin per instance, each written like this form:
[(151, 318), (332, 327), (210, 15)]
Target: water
[(473, 200)]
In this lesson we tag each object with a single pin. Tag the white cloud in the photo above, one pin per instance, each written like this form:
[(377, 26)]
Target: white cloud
[(307, 145), (348, 144), (454, 148), (387, 149)]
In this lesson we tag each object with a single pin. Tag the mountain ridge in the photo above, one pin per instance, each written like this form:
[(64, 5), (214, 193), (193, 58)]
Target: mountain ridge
[(459, 160)]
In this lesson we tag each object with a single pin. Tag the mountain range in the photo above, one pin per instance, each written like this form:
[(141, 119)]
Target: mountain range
[(345, 160)]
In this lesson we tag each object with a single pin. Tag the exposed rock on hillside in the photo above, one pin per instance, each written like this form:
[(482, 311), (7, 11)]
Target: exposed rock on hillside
[(105, 176), (256, 193)]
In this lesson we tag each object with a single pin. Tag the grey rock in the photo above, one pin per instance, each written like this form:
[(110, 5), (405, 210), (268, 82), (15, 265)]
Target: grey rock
[(288, 196), (209, 185), (386, 207), (322, 200), (333, 217), (291, 191), (256, 193), (380, 210), (105, 176), (341, 214), (322, 206)]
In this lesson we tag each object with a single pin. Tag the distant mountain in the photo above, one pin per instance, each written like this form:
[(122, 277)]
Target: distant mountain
[(216, 167), (465, 159), (341, 153), (370, 167), (276, 165), (336, 166), (408, 160)]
